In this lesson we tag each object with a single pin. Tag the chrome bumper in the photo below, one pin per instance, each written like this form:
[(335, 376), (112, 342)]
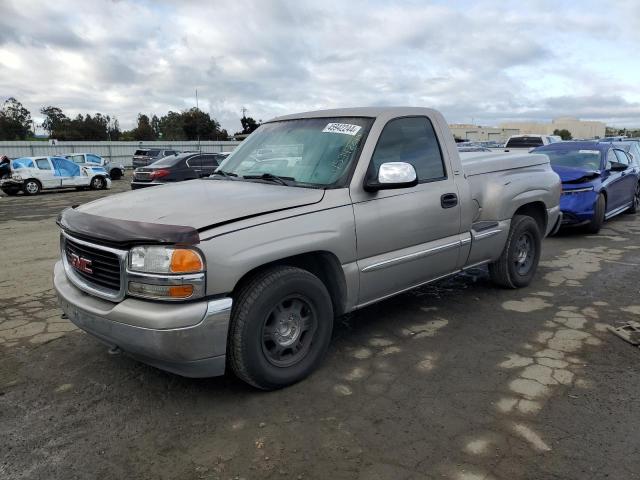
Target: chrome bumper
[(188, 339)]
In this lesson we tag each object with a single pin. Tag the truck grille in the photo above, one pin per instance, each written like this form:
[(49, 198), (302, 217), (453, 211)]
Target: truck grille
[(102, 271)]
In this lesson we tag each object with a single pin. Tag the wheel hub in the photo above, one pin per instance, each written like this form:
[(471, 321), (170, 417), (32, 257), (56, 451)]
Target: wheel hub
[(524, 254), (288, 329)]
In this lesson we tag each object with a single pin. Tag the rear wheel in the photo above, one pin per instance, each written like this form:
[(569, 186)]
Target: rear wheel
[(635, 207), (596, 222), (280, 327), (115, 174), (31, 187), (98, 183), (519, 260)]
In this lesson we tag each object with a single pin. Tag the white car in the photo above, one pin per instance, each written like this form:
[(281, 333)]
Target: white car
[(115, 170), (31, 175), (530, 141)]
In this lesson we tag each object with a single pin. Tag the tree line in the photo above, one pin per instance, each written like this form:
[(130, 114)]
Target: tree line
[(191, 124)]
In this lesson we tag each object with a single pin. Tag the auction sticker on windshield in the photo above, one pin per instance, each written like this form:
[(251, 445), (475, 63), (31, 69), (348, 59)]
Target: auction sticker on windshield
[(344, 128)]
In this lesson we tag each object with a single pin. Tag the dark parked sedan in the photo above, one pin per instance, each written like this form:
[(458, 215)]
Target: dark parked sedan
[(176, 168)]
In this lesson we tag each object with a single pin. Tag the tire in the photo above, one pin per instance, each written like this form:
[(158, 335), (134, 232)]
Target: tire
[(596, 222), (12, 192), (518, 262), (635, 206), (31, 187), (115, 174), (98, 183), (268, 346)]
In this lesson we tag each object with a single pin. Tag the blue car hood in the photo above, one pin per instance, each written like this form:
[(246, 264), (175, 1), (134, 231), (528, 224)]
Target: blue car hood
[(575, 175)]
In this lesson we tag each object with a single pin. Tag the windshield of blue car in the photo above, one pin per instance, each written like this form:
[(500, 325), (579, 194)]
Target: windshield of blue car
[(583, 159), (307, 152)]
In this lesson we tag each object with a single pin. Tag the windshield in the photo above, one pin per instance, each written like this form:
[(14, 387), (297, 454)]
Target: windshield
[(584, 159), (314, 151), (141, 152)]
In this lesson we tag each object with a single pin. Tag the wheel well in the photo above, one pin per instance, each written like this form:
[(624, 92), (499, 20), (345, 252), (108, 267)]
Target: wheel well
[(537, 211), (324, 265)]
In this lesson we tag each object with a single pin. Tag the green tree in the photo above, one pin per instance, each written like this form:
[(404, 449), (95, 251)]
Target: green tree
[(144, 130), (248, 125), (15, 121), (563, 133), (54, 119), (155, 125)]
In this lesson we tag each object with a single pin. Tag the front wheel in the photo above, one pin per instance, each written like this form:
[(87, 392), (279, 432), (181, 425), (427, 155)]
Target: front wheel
[(98, 183), (280, 327), (597, 220), (519, 260), (31, 187), (11, 191), (115, 174)]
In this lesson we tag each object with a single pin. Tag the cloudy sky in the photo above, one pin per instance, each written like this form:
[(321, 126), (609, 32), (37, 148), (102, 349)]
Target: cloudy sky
[(485, 61)]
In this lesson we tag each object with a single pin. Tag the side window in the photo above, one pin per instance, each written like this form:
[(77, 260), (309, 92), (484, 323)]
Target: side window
[(210, 161), (169, 152), (94, 159), (411, 140), (43, 163), (76, 158), (193, 162), (622, 157)]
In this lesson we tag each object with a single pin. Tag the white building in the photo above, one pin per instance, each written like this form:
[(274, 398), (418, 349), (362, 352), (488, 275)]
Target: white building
[(479, 133), (578, 128)]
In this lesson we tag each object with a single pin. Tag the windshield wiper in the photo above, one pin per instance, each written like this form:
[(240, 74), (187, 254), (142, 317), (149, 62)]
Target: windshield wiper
[(222, 173), (270, 176)]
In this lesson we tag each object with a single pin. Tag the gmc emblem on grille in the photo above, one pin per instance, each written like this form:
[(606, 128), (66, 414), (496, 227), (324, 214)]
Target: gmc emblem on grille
[(82, 264)]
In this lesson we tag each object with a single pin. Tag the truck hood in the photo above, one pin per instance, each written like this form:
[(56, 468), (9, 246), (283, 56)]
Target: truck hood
[(575, 174), (201, 203)]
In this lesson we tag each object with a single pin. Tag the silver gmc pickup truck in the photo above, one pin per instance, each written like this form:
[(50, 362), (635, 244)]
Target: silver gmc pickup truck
[(312, 216)]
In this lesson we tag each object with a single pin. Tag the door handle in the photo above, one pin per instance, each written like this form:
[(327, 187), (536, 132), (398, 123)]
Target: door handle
[(449, 200)]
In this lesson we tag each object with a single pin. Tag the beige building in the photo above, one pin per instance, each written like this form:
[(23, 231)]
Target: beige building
[(480, 133), (578, 128)]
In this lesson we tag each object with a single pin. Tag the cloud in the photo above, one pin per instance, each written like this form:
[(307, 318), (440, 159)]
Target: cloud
[(486, 60)]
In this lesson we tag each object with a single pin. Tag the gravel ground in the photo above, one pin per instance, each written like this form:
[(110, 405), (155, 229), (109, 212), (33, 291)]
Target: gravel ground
[(458, 380)]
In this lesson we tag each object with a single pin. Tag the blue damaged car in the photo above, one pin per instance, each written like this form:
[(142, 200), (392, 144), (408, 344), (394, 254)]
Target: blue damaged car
[(599, 181)]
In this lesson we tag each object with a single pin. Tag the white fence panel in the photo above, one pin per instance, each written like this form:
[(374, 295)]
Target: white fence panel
[(120, 152)]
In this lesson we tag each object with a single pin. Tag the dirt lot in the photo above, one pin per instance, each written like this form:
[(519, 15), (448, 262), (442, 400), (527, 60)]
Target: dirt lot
[(457, 381)]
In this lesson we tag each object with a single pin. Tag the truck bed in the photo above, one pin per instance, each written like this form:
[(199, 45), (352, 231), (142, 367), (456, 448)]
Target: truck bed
[(479, 163)]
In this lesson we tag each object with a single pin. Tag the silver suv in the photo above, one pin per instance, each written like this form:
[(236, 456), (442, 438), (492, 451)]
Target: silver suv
[(146, 156)]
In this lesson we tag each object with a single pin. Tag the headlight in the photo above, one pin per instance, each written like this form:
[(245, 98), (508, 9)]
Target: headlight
[(155, 259), (577, 190), (166, 273)]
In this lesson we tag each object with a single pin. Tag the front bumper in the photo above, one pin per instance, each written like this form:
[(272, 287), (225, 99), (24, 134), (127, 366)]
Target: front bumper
[(578, 208), (188, 339), (11, 183)]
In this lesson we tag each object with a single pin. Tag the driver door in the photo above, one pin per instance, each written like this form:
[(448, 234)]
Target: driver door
[(408, 236)]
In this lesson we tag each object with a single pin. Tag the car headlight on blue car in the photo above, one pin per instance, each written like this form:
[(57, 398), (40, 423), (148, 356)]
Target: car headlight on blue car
[(577, 190), (166, 273)]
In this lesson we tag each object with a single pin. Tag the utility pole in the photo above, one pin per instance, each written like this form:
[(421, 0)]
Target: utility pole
[(198, 121), (244, 112)]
